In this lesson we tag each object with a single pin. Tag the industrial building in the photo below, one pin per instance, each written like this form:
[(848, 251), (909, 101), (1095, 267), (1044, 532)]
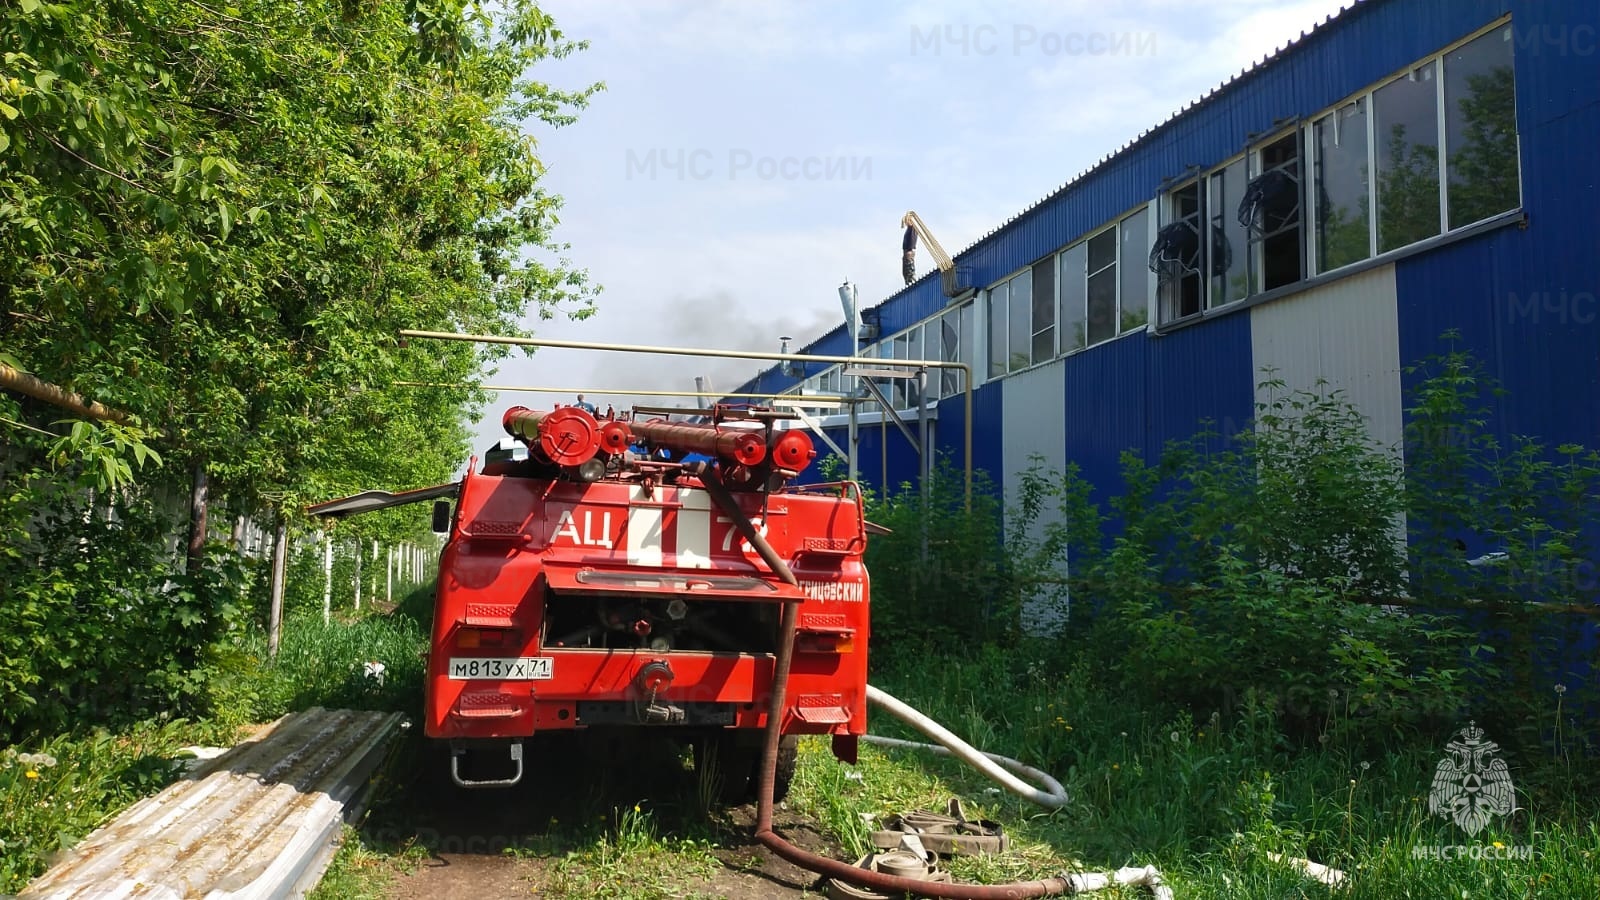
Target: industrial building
[(1407, 168)]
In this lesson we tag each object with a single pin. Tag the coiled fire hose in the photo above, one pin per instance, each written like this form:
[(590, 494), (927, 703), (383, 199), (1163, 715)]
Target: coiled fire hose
[(834, 868)]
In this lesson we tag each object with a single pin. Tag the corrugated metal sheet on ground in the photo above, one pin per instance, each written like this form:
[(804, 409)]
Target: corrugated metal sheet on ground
[(257, 821)]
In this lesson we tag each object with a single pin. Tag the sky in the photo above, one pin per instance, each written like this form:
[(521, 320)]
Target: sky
[(746, 157)]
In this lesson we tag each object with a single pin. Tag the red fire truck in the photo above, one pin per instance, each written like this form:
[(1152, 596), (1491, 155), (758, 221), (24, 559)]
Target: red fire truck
[(630, 573)]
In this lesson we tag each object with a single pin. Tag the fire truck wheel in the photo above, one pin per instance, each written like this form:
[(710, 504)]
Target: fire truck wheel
[(736, 759)]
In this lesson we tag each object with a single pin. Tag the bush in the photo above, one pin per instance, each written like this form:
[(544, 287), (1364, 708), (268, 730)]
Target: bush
[(1258, 572), (940, 580), (96, 627)]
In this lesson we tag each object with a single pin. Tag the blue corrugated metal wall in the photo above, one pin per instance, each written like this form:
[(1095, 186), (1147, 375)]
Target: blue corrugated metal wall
[(1106, 391), (1199, 373), (1139, 391)]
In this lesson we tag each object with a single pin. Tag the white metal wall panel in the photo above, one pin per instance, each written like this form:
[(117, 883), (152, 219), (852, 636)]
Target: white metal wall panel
[(1033, 422), (1033, 418), (1346, 333)]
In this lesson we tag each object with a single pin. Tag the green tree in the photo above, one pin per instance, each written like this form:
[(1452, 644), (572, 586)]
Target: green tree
[(216, 218)]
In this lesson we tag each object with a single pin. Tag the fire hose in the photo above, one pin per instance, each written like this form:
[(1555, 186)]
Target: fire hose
[(991, 765)]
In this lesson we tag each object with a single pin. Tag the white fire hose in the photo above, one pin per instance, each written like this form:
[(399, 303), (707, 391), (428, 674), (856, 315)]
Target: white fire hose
[(997, 767), (1005, 771)]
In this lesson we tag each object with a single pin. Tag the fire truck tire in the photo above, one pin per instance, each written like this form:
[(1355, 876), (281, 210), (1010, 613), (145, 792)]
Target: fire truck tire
[(738, 764)]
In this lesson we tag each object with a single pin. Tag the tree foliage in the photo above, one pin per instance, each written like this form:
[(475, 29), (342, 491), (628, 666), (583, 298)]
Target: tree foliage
[(217, 217)]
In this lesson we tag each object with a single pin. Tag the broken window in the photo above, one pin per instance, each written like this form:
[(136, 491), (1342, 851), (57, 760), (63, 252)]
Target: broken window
[(1270, 209)]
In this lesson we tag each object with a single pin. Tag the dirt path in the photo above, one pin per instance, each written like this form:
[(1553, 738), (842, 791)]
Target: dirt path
[(748, 871), (452, 844)]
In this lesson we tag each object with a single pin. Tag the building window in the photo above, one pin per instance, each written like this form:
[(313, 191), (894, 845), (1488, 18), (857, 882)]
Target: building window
[(999, 297), (1102, 286), (1134, 286), (1270, 210), (1175, 255), (1480, 114), (1406, 139), (1342, 199), (1021, 323), (1044, 310), (903, 389), (949, 330), (956, 345), (1074, 298), (1019, 318), (1229, 246)]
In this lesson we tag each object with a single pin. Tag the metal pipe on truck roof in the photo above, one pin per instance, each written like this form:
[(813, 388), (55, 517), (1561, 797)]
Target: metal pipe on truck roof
[(556, 343)]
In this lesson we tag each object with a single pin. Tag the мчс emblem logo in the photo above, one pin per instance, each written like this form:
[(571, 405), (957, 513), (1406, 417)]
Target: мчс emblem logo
[(1471, 783)]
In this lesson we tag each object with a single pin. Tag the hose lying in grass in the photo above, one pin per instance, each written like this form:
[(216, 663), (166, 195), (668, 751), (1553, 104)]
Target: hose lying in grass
[(997, 767), (778, 705)]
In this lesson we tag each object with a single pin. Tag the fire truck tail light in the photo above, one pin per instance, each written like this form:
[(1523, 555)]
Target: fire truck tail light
[(468, 638), (825, 642)]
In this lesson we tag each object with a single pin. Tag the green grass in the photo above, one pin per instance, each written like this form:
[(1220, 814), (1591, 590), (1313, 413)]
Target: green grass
[(1203, 802), (631, 860)]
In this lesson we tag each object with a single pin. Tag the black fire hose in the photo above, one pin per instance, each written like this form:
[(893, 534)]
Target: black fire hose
[(822, 865)]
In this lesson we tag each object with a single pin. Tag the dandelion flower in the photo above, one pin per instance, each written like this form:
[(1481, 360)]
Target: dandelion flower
[(1365, 765), (1499, 846), (30, 774), (1114, 767), (1174, 737), (1124, 734), (1561, 689), (49, 762), (1200, 734)]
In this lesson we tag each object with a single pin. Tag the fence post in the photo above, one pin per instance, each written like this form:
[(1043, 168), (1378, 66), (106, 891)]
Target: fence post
[(280, 551), (327, 577)]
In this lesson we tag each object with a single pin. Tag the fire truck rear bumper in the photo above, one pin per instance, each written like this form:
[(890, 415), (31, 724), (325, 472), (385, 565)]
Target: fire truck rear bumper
[(625, 687)]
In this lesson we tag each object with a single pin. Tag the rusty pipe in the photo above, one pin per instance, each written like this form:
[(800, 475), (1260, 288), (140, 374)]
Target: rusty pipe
[(747, 448)]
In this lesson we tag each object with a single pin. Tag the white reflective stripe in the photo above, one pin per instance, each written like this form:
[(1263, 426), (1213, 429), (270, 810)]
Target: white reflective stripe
[(694, 529), (644, 530)]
